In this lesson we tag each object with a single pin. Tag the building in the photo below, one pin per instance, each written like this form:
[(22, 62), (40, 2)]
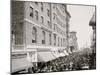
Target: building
[(73, 45), (92, 23), (38, 31)]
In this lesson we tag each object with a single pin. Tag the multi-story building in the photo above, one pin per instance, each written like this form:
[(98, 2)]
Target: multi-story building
[(39, 31), (93, 43), (93, 24), (73, 45)]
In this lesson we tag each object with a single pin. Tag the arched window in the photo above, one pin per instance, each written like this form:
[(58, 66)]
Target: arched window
[(43, 40), (50, 39), (58, 41), (61, 41), (54, 39), (31, 12), (36, 15), (34, 35)]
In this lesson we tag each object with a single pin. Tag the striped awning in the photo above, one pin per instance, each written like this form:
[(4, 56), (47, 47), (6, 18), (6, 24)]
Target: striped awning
[(45, 56)]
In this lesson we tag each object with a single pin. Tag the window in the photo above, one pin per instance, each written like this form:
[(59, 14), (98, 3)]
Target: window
[(54, 6), (58, 41), (19, 34), (48, 12), (43, 40), (34, 35), (13, 37), (54, 39), (54, 15), (72, 48), (41, 6), (36, 3), (49, 25), (42, 19), (31, 12), (36, 14), (61, 41), (54, 26), (50, 39)]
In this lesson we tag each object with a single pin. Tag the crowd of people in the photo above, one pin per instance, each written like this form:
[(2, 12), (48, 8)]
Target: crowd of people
[(71, 62)]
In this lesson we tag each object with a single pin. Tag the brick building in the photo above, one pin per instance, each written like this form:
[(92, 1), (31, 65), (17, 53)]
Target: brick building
[(38, 31), (73, 45), (92, 23)]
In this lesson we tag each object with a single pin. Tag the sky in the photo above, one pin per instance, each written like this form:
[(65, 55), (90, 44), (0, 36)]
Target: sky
[(79, 22)]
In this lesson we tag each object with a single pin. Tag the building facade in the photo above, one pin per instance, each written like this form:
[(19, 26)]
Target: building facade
[(73, 45), (92, 23), (39, 30)]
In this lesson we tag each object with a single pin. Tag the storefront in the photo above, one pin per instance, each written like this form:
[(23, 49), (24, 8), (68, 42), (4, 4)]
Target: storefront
[(20, 64)]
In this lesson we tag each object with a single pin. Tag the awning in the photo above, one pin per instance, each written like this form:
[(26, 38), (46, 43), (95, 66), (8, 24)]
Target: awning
[(20, 64), (62, 54), (65, 52), (56, 54), (45, 56)]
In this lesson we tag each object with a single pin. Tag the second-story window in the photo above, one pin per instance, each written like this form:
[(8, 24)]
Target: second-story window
[(13, 37), (36, 14), (53, 6), (31, 12), (18, 32), (42, 19)]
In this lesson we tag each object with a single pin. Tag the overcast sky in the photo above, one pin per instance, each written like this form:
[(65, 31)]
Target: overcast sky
[(79, 22)]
